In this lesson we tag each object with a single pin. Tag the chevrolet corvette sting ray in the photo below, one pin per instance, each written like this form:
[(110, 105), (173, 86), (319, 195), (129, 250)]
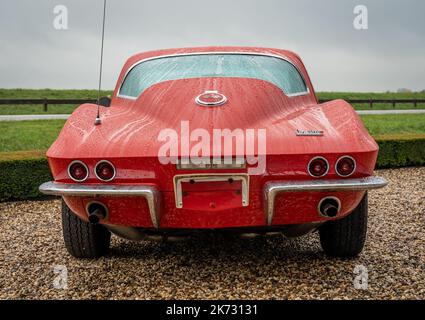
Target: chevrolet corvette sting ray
[(216, 138)]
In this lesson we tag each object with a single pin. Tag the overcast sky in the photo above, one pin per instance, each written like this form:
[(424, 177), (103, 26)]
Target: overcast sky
[(389, 55)]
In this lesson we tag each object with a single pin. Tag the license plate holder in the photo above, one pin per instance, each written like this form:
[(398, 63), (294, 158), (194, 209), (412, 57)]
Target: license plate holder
[(179, 180)]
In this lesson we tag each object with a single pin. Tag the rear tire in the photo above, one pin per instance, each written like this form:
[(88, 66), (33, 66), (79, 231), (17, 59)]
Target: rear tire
[(345, 238), (83, 239)]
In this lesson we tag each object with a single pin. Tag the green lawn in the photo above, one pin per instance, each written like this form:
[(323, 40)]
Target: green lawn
[(36, 109), (28, 135), (92, 94), (39, 135), (392, 125)]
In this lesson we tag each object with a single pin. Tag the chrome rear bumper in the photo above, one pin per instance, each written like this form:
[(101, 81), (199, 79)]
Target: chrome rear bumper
[(272, 188), (150, 193)]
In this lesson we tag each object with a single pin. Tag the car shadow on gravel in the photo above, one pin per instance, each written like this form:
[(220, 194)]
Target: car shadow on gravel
[(210, 259), (203, 247)]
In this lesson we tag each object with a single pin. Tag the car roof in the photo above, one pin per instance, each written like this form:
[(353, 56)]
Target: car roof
[(285, 54)]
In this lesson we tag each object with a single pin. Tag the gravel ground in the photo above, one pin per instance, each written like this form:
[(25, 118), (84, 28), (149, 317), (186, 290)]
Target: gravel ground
[(218, 267)]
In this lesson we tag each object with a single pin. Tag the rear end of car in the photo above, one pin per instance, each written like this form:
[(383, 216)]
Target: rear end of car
[(294, 190), (311, 172)]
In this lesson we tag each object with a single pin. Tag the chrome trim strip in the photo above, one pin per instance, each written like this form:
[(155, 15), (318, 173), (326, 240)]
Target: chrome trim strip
[(126, 97), (354, 170), (272, 188), (213, 164), (210, 177), (150, 193), (80, 162), (108, 162), (248, 53), (297, 94)]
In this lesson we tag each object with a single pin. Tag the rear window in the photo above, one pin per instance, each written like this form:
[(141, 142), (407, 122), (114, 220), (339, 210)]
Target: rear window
[(272, 69)]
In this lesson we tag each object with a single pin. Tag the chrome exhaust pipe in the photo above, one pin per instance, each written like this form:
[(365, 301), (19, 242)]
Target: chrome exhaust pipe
[(96, 211), (329, 207)]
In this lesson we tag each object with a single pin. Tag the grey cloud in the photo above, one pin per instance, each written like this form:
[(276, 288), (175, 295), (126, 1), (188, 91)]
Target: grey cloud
[(387, 56)]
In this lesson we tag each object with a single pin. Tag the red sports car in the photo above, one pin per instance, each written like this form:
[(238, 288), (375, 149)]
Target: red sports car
[(216, 138)]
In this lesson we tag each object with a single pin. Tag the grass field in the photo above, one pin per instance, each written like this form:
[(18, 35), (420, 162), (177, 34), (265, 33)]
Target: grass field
[(92, 94), (28, 135), (396, 125), (44, 93), (39, 135)]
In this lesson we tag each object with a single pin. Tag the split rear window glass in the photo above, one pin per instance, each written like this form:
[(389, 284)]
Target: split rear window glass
[(275, 70)]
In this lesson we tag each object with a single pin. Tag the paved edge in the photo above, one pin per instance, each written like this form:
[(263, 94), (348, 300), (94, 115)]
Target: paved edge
[(35, 117), (407, 111), (30, 117)]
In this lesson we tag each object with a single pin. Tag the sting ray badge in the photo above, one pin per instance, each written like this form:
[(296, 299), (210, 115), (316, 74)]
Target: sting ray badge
[(309, 132), (211, 99)]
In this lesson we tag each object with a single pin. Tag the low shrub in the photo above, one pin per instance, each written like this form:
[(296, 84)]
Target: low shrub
[(20, 178), (402, 152)]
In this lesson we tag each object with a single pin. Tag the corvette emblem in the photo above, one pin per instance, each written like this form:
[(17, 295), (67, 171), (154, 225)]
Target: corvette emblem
[(211, 99), (309, 132)]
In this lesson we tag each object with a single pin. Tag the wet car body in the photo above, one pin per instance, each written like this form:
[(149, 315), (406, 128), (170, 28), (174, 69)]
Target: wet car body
[(318, 157)]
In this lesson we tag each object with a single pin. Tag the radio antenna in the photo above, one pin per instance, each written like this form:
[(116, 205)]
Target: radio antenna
[(98, 121)]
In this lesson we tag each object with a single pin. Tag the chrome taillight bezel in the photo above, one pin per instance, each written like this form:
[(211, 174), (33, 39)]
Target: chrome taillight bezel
[(354, 168), (84, 165), (236, 163), (108, 162), (327, 166)]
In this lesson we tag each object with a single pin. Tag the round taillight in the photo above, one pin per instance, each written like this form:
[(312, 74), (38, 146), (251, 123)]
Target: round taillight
[(345, 166), (78, 171), (104, 170), (318, 167)]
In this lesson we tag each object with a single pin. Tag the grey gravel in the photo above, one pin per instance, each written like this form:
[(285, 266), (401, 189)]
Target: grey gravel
[(221, 267)]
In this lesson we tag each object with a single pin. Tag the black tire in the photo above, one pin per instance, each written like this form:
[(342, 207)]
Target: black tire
[(345, 238), (83, 239)]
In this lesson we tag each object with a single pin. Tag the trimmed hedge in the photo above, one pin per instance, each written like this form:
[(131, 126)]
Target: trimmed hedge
[(401, 153), (20, 177)]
